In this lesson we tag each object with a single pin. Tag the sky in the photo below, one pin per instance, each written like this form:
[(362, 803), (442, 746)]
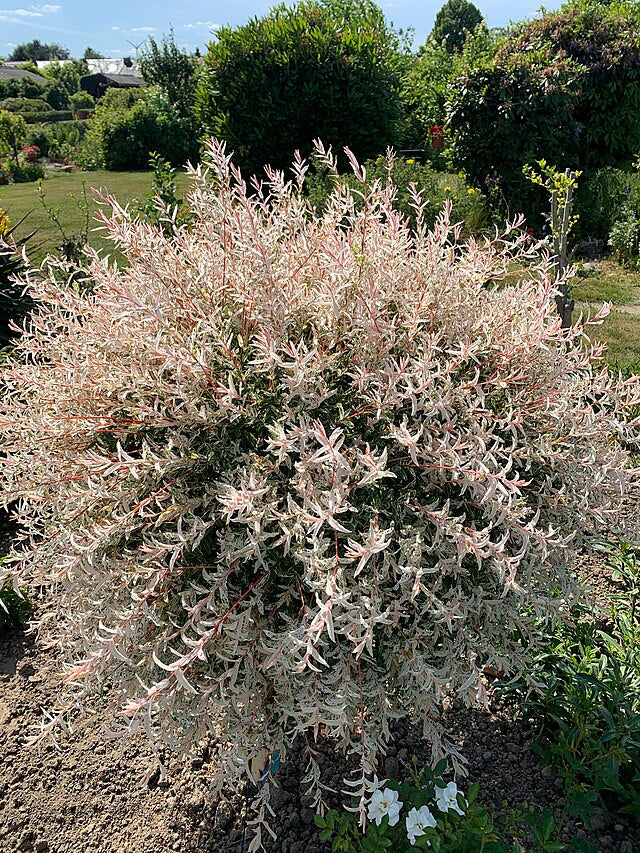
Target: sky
[(115, 26)]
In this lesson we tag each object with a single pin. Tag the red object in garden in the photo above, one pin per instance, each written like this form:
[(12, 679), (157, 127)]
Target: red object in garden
[(31, 153), (437, 136)]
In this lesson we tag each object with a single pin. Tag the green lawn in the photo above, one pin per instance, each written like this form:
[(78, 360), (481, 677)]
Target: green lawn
[(621, 329), (19, 200), (621, 334), (608, 283)]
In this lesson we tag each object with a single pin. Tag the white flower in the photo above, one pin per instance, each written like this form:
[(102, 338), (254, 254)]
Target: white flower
[(417, 821), (384, 803), (447, 798)]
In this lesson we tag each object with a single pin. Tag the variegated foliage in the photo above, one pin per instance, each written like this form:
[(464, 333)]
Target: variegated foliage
[(285, 474)]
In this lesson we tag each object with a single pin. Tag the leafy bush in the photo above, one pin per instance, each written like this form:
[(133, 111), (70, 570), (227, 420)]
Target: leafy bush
[(49, 116), (624, 231), (13, 130), (57, 96), (564, 87), (81, 101), (40, 135), (428, 78), (587, 706), (275, 84), (598, 202), (124, 130), (25, 88), (57, 139), (624, 238), (27, 173), (24, 106), (313, 472)]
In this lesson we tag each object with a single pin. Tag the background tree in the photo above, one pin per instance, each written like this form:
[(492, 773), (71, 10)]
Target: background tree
[(166, 65), (427, 81), (90, 53), (36, 51), (13, 130), (67, 76), (273, 85), (454, 22)]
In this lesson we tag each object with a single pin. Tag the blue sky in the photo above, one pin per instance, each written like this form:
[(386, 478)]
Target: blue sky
[(110, 26)]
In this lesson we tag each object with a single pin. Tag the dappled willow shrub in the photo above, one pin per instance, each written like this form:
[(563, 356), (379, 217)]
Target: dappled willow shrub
[(285, 474)]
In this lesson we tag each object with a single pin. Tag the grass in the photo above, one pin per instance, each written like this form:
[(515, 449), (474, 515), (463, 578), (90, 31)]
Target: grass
[(20, 200), (621, 334), (620, 331), (611, 283)]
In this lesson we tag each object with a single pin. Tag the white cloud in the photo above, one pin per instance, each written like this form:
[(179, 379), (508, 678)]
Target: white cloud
[(17, 16), (143, 30), (115, 28), (201, 25)]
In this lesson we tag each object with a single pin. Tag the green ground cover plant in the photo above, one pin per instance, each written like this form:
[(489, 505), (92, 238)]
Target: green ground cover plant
[(427, 812), (586, 704)]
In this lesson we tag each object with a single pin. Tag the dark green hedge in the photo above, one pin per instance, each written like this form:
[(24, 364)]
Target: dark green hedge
[(273, 85)]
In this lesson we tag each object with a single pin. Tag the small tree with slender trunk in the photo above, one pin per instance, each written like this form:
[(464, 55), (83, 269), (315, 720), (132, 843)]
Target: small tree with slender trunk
[(13, 130)]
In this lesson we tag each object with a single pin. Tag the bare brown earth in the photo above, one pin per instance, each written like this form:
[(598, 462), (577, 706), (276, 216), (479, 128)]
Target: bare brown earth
[(90, 796)]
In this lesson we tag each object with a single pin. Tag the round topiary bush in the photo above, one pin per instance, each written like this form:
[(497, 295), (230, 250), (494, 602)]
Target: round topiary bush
[(285, 474)]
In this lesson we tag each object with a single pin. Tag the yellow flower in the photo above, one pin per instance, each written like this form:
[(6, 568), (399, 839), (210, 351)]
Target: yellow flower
[(471, 191), (447, 189), (410, 162)]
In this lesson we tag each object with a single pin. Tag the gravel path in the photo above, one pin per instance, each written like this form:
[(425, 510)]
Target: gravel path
[(90, 796)]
